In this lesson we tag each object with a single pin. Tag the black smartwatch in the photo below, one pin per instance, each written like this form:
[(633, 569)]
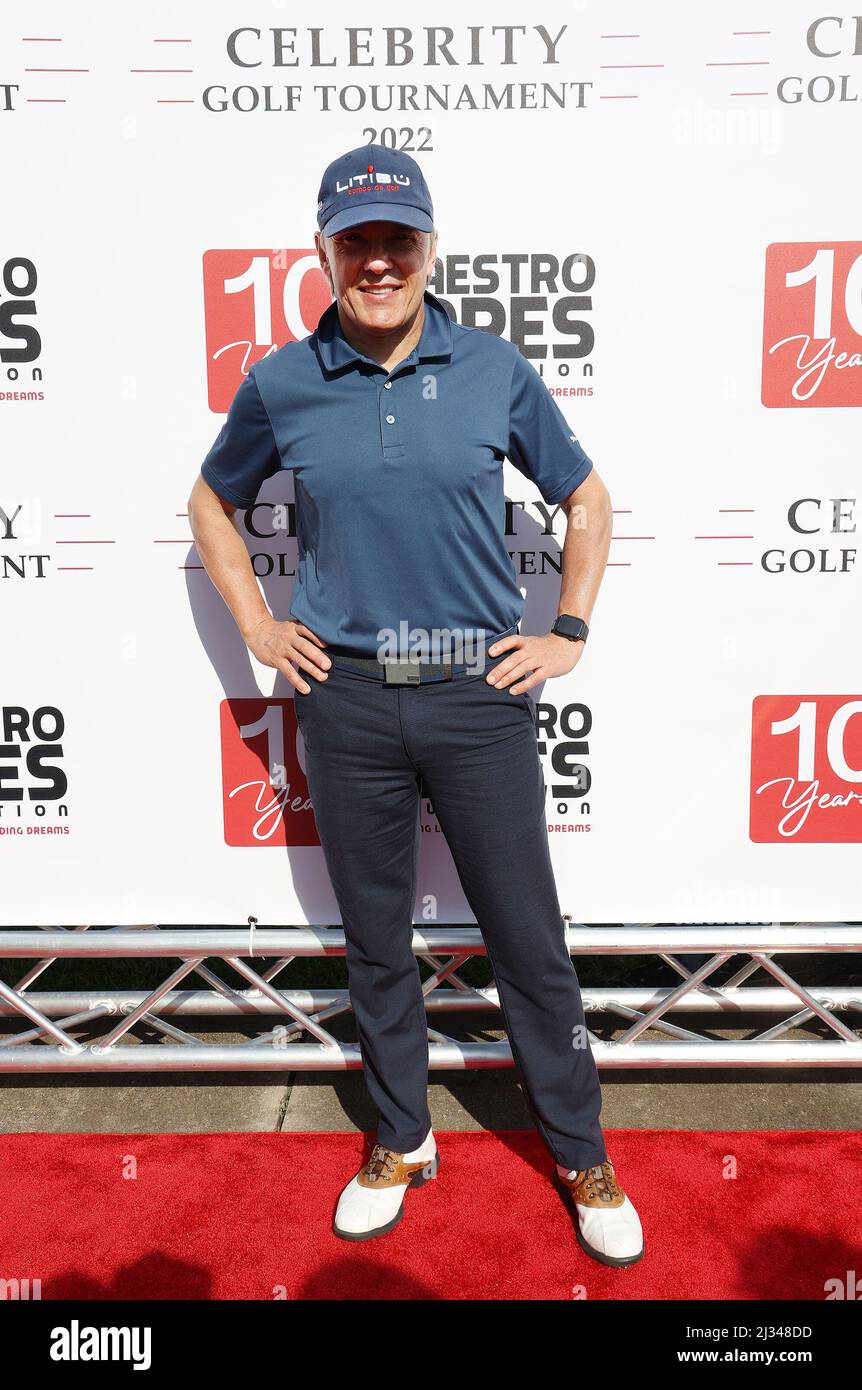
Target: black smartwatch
[(574, 628)]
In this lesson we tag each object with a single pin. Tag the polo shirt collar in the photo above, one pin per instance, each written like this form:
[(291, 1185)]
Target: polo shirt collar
[(335, 351)]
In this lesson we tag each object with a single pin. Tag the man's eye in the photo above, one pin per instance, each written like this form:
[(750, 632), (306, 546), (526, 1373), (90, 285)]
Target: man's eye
[(351, 238)]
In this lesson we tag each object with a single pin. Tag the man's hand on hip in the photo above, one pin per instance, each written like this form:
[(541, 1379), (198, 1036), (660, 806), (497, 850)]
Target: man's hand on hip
[(532, 660), (279, 644)]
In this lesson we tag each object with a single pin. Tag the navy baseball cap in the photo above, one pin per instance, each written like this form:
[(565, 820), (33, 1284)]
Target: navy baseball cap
[(374, 183)]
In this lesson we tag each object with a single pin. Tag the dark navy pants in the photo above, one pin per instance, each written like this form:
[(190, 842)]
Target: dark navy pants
[(371, 750)]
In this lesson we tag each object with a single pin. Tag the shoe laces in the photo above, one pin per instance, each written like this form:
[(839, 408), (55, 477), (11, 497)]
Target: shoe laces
[(381, 1164), (600, 1181)]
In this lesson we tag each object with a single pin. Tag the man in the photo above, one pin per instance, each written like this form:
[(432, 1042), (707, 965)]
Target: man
[(395, 423)]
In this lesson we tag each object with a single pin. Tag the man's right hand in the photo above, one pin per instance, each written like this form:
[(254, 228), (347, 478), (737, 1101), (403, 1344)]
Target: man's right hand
[(278, 644)]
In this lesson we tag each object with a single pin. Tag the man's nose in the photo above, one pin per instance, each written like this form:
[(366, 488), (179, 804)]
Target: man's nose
[(378, 253)]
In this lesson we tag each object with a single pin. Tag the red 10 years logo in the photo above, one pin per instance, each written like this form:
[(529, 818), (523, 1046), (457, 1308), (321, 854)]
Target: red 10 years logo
[(812, 324), (266, 800), (254, 303), (806, 769)]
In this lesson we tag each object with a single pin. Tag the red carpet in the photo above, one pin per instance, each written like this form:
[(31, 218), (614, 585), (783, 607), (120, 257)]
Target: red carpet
[(241, 1215)]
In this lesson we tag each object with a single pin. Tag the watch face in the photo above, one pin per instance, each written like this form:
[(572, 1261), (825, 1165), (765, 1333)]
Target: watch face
[(570, 627)]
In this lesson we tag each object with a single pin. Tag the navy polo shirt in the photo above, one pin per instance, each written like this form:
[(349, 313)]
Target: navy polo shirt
[(398, 476)]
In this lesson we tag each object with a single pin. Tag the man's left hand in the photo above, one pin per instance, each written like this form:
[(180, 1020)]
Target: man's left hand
[(532, 660)]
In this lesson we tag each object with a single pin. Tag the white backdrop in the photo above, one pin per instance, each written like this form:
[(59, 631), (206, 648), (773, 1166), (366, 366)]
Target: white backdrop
[(706, 176)]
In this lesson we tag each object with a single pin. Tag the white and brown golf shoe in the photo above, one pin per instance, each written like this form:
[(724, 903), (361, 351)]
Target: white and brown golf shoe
[(609, 1228), (372, 1203)]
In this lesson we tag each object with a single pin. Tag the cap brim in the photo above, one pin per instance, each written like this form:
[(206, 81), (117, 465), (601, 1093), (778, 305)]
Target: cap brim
[(379, 210)]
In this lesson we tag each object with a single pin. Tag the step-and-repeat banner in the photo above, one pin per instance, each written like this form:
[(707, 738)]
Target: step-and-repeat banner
[(659, 203)]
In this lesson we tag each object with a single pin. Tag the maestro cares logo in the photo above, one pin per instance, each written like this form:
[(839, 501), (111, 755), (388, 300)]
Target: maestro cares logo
[(33, 781), (20, 339), (541, 301), (563, 734)]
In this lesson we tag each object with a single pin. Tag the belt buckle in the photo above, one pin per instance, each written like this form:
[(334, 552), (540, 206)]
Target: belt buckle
[(400, 672)]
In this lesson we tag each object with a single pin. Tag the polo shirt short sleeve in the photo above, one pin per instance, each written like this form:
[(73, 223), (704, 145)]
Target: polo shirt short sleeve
[(541, 443), (397, 476), (245, 453)]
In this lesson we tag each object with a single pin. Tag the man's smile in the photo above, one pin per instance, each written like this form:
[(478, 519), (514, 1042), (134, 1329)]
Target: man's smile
[(379, 291)]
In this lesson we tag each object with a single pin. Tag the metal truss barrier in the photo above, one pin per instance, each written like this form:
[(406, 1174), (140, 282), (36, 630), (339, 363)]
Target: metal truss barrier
[(300, 1040)]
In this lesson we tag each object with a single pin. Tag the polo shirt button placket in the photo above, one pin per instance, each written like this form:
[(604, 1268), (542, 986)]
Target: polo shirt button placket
[(391, 439)]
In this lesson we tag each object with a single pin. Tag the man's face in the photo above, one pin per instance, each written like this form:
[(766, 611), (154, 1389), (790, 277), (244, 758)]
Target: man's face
[(378, 272)]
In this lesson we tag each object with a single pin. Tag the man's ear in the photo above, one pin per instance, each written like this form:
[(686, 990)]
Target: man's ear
[(323, 255)]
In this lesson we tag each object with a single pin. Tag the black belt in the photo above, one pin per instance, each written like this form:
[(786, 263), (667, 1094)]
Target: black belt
[(416, 670)]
